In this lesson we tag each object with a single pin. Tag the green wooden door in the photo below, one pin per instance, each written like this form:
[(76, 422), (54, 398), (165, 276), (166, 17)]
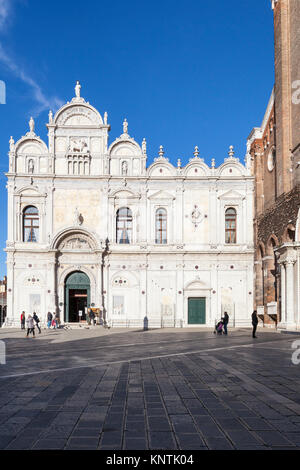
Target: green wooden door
[(196, 311), (76, 281)]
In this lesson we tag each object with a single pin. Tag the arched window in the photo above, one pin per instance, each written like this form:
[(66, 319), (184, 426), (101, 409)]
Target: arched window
[(124, 225), (230, 225), (31, 224), (161, 227)]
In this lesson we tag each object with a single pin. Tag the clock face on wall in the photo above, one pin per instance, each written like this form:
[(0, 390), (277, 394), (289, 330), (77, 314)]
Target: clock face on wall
[(271, 159)]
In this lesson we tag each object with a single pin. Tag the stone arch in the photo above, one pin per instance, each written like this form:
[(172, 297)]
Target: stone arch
[(271, 244), (75, 231), (289, 234), (70, 269)]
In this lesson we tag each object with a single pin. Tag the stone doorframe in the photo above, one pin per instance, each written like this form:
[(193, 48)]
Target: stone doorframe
[(197, 289)]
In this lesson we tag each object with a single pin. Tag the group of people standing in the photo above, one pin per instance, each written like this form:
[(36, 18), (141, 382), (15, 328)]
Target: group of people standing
[(53, 320), (33, 321), (221, 326)]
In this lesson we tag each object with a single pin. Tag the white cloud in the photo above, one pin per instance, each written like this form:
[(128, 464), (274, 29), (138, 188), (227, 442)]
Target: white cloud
[(5, 7), (44, 102)]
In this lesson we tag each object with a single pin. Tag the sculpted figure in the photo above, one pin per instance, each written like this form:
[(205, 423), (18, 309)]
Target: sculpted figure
[(77, 89), (31, 125), (31, 166), (124, 168), (11, 144)]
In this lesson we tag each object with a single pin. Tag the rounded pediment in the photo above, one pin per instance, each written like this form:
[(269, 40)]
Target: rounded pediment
[(231, 169), (161, 168), (74, 240), (76, 115), (196, 285), (125, 148), (196, 169), (31, 146)]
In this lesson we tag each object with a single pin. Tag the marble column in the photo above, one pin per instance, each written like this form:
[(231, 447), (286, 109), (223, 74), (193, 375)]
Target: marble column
[(290, 313), (283, 294)]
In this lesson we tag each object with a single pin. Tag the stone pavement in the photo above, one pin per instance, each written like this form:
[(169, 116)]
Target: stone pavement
[(162, 389)]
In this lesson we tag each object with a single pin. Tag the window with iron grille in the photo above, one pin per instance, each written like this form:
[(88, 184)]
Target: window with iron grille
[(230, 225), (124, 225), (161, 227), (31, 225)]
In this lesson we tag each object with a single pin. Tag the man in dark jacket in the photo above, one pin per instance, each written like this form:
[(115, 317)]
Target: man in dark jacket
[(225, 320), (254, 323), (37, 321)]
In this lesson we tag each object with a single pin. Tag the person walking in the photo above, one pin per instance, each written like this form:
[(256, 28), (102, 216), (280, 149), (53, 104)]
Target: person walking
[(23, 319), (57, 320), (49, 320), (30, 326), (92, 317), (254, 323), (225, 322), (37, 321), (53, 321)]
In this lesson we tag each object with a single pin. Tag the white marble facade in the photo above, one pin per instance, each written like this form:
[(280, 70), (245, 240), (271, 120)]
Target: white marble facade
[(76, 186)]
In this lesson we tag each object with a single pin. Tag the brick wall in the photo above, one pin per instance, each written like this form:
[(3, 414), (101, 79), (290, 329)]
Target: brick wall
[(279, 216)]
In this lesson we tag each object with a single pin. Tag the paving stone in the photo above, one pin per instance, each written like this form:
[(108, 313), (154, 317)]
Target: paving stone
[(135, 444), (158, 424), (190, 441), (111, 438), (50, 444), (162, 440), (273, 438), (218, 443), (230, 423), (207, 426), (24, 443), (135, 425), (86, 432), (284, 425), (5, 440)]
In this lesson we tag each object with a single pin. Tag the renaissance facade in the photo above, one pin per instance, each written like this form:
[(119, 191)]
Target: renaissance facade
[(90, 225)]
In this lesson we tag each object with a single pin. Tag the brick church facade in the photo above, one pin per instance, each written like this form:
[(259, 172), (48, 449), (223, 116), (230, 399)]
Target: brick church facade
[(275, 153)]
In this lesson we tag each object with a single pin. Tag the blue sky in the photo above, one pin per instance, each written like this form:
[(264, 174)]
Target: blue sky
[(182, 73)]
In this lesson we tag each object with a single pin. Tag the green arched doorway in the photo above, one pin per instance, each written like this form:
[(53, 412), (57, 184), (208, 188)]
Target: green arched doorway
[(77, 297)]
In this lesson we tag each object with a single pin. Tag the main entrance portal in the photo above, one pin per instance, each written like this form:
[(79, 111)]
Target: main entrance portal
[(77, 295), (196, 311)]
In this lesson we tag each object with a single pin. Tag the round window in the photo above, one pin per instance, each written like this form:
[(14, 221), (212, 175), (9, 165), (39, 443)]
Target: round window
[(271, 159)]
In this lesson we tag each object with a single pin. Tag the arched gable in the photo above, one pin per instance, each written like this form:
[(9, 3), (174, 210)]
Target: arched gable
[(230, 169), (78, 114), (162, 169), (196, 168), (31, 146), (89, 241)]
